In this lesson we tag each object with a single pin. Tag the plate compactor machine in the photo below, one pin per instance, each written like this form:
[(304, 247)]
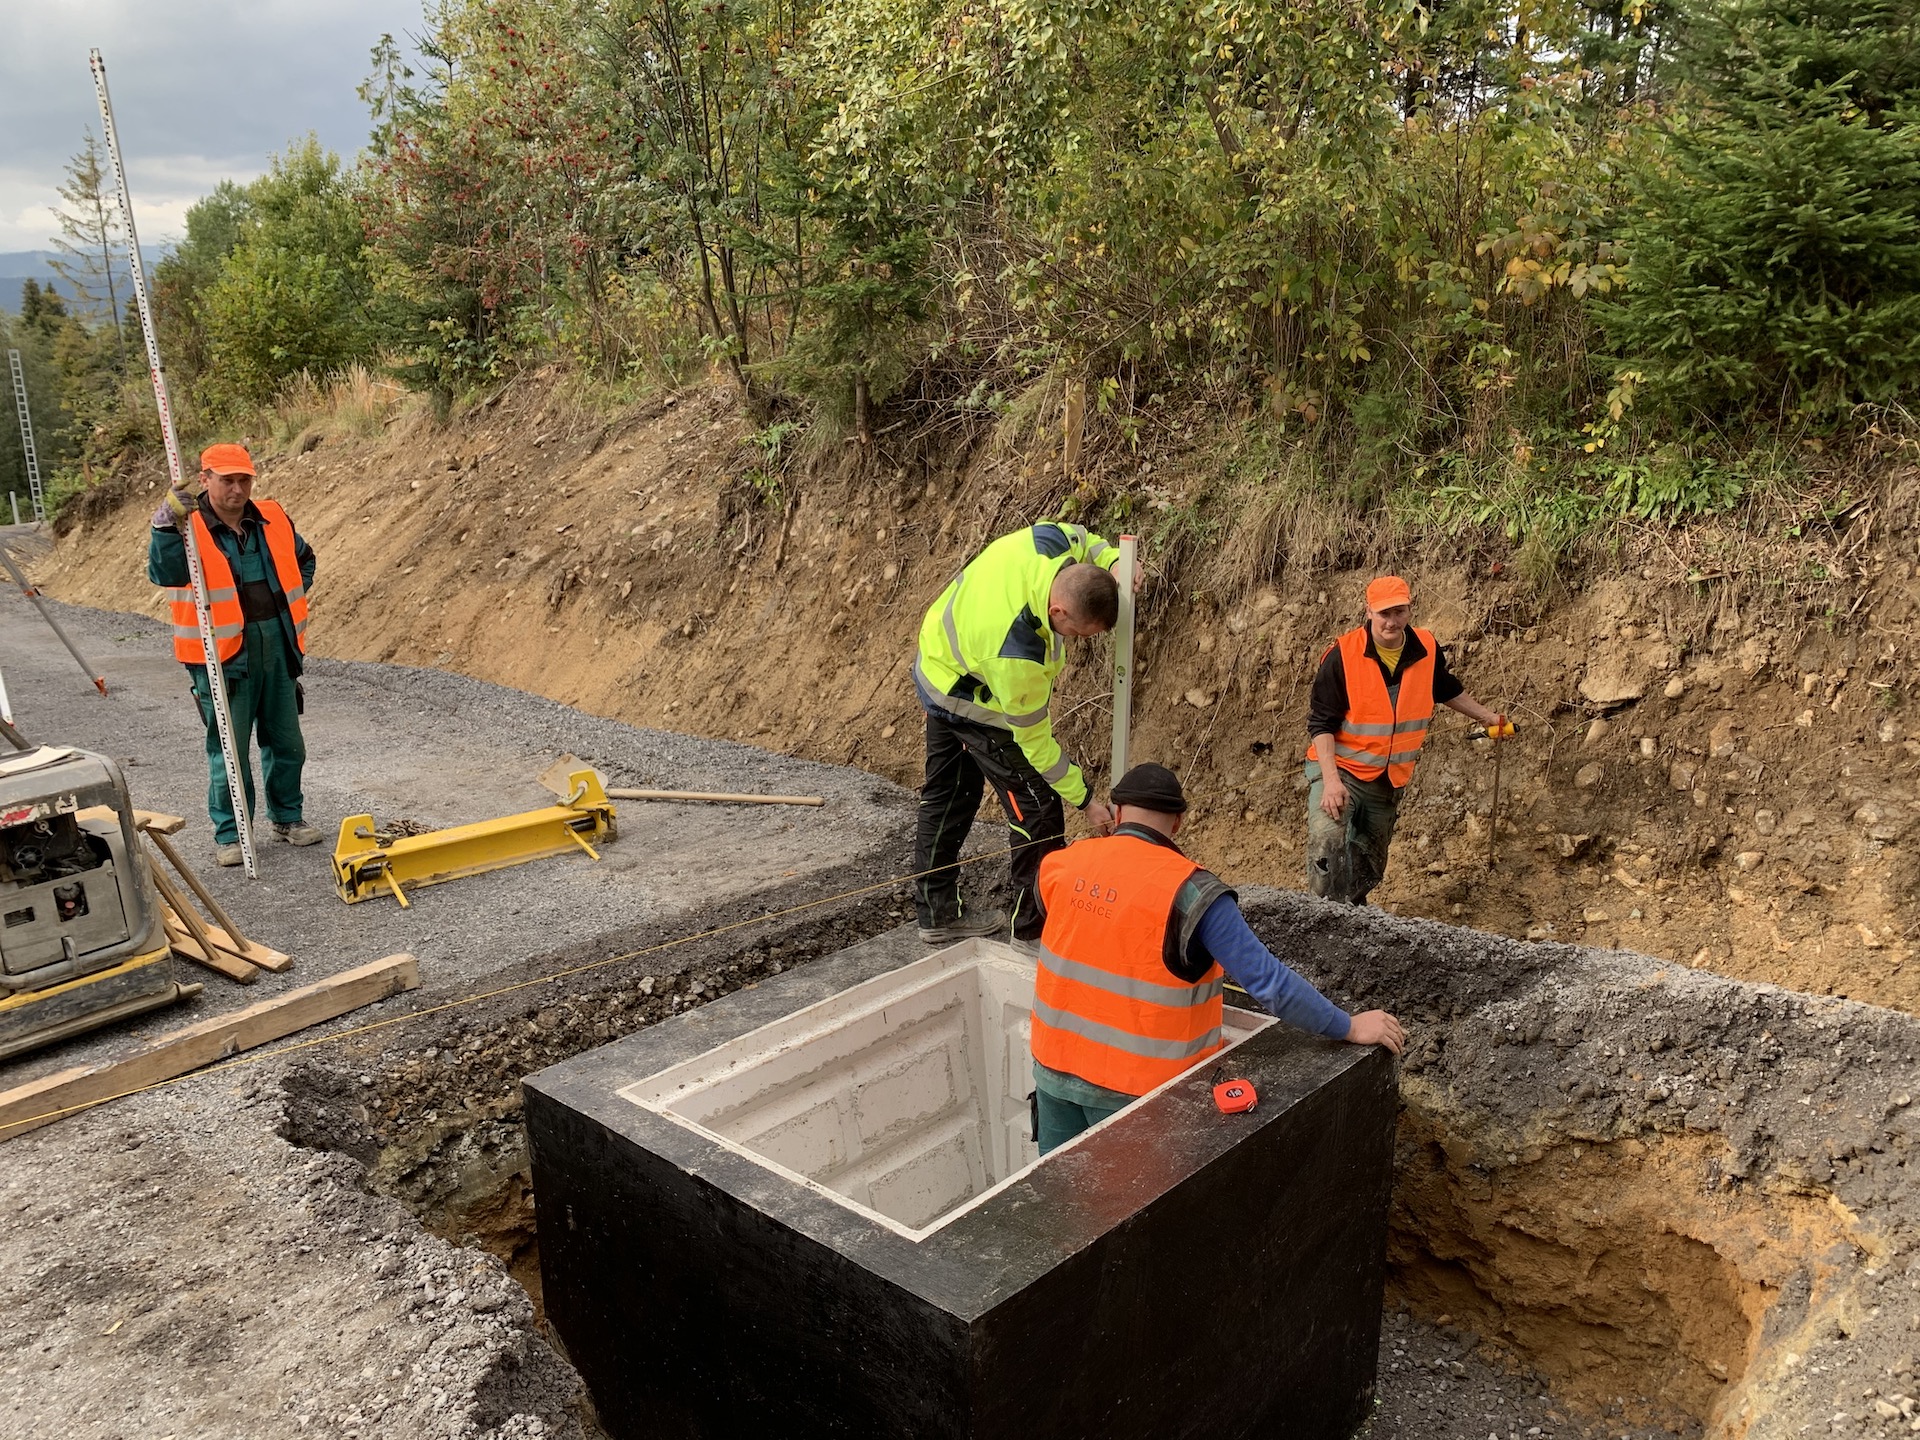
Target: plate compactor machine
[(82, 939)]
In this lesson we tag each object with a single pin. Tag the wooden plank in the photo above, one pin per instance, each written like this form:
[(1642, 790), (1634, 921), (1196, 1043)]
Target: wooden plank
[(155, 823), (251, 951), (43, 1101), (217, 960)]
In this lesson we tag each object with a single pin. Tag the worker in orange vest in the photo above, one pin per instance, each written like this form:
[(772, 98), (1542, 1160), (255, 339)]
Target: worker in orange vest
[(1137, 942), (257, 573), (1372, 701)]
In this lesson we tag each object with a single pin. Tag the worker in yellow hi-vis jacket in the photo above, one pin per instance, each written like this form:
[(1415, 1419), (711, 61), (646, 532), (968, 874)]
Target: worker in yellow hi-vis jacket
[(990, 648)]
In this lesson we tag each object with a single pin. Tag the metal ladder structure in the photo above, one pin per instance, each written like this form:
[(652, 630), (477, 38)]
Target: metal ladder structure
[(26, 436)]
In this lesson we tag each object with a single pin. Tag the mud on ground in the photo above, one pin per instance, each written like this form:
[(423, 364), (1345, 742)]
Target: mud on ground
[(1681, 1199)]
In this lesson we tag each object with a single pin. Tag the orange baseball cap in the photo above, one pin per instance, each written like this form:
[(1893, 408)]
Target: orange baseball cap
[(1387, 592), (227, 459)]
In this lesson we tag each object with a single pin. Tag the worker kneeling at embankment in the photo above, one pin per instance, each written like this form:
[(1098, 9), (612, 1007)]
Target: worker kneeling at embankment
[(1137, 942), (257, 570), (1372, 701)]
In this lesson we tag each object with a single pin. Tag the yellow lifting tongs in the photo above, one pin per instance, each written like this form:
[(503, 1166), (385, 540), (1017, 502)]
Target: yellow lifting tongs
[(367, 862)]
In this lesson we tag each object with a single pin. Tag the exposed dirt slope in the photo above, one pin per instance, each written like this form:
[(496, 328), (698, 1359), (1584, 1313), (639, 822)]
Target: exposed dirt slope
[(1749, 804)]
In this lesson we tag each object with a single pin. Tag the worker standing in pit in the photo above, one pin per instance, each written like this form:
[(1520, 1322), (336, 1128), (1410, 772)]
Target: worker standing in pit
[(1138, 941), (1367, 718), (990, 648), (257, 570)]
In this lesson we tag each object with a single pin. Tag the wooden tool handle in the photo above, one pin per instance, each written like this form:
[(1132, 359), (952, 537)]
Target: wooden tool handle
[(719, 798)]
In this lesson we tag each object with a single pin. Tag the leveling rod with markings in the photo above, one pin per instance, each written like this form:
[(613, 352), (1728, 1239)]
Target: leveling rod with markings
[(216, 677)]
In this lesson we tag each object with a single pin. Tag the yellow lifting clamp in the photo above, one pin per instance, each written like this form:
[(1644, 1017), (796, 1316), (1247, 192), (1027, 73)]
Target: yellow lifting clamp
[(367, 863)]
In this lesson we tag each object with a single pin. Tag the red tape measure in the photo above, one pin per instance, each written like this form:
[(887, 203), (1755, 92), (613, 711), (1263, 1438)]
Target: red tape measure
[(1234, 1096)]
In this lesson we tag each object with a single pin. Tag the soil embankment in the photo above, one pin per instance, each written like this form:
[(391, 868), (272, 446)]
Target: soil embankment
[(1715, 764)]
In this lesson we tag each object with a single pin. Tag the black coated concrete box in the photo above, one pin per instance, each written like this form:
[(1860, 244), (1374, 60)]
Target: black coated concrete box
[(1173, 1272)]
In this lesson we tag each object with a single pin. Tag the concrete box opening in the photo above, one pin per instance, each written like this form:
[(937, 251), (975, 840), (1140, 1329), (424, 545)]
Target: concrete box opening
[(904, 1098)]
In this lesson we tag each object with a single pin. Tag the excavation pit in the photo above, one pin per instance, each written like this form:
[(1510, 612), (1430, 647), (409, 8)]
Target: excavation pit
[(819, 1203), (1629, 1199)]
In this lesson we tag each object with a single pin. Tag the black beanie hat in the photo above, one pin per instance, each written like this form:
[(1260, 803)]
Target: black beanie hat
[(1151, 787)]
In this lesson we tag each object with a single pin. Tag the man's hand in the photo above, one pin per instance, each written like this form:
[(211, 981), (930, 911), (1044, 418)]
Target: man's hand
[(172, 510), (1376, 1027), (1333, 799), (1100, 817)]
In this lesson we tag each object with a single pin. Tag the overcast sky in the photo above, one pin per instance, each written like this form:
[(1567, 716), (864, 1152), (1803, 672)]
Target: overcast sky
[(203, 90)]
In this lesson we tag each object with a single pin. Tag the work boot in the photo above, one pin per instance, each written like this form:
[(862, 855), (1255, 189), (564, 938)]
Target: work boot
[(966, 927), (296, 832), (228, 855)]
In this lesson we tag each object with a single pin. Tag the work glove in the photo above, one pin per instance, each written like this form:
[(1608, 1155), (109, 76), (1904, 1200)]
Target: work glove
[(172, 510), (1500, 729)]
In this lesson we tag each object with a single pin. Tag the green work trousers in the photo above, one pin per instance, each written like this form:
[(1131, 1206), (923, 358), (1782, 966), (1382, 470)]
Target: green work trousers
[(1347, 857), (1060, 1120), (261, 697)]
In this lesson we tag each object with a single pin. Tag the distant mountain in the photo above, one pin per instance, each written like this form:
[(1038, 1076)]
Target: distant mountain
[(19, 266)]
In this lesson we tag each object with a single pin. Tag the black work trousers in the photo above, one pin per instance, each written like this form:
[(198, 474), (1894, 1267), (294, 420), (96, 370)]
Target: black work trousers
[(962, 758)]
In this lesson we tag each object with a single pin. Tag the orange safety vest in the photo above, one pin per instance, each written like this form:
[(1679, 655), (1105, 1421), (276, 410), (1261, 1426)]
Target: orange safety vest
[(1378, 733), (1105, 1007), (223, 591)]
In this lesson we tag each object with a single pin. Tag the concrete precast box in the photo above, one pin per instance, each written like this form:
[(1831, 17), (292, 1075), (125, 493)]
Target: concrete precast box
[(814, 1208)]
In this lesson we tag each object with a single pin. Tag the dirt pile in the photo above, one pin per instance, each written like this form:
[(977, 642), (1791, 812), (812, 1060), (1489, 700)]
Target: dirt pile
[(1682, 1199), (1716, 762)]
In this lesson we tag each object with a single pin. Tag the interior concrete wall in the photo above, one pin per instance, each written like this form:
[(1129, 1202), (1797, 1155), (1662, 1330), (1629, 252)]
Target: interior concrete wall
[(906, 1095)]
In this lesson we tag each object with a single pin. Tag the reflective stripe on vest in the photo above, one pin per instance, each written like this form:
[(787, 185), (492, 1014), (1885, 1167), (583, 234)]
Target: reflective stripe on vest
[(1105, 1007), (1379, 733), (223, 593)]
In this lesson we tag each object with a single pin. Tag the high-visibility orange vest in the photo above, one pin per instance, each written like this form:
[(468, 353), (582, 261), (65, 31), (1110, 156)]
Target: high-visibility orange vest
[(223, 591), (1378, 733), (1105, 1007)]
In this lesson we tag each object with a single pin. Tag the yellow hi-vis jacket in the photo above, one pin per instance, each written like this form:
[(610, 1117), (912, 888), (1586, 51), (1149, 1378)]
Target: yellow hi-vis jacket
[(986, 652)]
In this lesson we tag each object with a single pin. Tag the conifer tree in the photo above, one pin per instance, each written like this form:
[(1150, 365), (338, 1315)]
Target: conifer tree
[(1775, 256), (89, 231)]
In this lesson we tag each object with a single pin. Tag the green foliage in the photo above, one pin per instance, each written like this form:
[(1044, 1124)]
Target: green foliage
[(92, 241), (772, 442), (215, 224), (43, 315), (1391, 239), (85, 405), (1776, 261), (291, 294), (1671, 485)]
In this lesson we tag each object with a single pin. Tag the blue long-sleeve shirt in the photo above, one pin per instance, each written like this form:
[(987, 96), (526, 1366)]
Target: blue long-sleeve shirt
[(1274, 987)]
